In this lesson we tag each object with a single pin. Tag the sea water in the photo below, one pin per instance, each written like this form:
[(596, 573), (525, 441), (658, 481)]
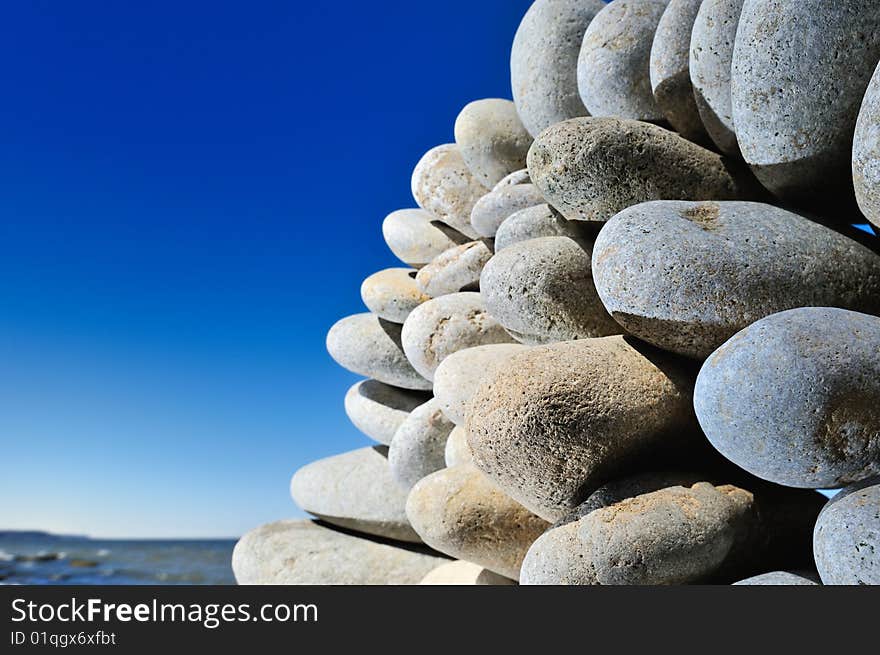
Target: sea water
[(36, 558)]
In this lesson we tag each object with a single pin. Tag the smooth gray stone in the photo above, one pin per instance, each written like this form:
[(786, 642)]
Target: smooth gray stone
[(866, 153), (459, 375), (670, 69), (687, 276), (416, 237), (457, 269), (711, 61), (458, 451), (355, 490), (800, 71), (592, 168), (458, 511), (443, 185), (613, 68), (510, 195), (419, 446), (779, 579), (535, 222), (558, 421), (542, 291), (492, 140), (543, 61), (461, 573), (306, 553), (445, 325), (677, 535), (793, 398), (377, 409), (392, 294), (367, 345), (846, 542)]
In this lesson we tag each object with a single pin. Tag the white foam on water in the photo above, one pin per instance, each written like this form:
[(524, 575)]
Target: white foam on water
[(6, 557)]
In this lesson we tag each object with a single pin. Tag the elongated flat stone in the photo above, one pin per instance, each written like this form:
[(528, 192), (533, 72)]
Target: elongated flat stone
[(378, 409), (355, 490)]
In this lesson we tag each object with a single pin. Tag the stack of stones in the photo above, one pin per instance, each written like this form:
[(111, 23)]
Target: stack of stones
[(635, 331)]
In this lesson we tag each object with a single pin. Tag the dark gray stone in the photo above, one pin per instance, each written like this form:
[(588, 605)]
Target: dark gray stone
[(712, 41), (687, 276), (866, 153), (800, 71), (793, 398), (670, 69), (847, 538)]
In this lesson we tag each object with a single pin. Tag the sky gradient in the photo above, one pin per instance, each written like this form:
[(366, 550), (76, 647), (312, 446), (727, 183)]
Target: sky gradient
[(191, 196)]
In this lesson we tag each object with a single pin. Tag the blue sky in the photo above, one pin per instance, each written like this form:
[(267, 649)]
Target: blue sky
[(190, 195)]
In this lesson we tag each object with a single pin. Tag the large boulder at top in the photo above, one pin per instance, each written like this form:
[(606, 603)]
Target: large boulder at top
[(793, 398), (543, 61), (800, 71), (687, 276), (711, 59), (670, 69), (614, 75)]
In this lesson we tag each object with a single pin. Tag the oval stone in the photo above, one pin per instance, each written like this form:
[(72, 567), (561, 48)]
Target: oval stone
[(378, 409), (711, 61), (846, 542), (458, 511), (543, 61), (461, 573), (866, 153), (558, 421), (445, 325), (392, 294), (800, 71), (688, 276), (793, 398), (367, 345), (457, 269), (535, 222), (492, 140), (670, 69), (677, 535), (613, 68), (416, 237), (443, 185), (513, 193), (779, 579), (458, 451), (592, 168), (459, 376), (542, 291), (419, 446), (306, 553), (354, 490)]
